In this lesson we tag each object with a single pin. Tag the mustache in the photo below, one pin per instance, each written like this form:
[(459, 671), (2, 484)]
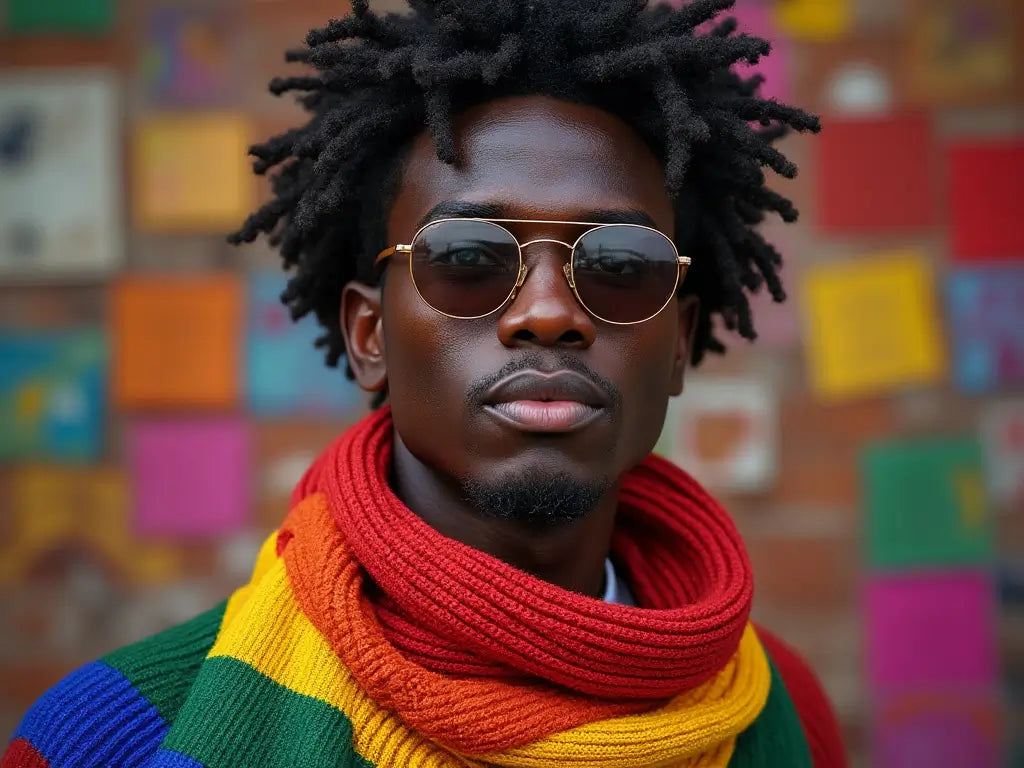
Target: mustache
[(551, 361)]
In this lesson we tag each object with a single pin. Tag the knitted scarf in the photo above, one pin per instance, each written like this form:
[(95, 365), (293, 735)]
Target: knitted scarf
[(366, 638)]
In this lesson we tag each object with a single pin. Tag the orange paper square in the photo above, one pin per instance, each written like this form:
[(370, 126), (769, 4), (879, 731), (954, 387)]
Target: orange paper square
[(177, 341)]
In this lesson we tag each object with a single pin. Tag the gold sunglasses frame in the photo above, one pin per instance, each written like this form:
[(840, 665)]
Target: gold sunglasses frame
[(682, 262)]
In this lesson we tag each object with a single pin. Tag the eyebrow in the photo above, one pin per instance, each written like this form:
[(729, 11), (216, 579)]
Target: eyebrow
[(462, 209)]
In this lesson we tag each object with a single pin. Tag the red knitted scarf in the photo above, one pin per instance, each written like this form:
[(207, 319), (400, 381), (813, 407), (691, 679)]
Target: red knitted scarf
[(456, 610)]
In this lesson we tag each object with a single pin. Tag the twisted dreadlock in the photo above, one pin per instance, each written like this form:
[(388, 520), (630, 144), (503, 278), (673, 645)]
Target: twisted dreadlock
[(380, 79)]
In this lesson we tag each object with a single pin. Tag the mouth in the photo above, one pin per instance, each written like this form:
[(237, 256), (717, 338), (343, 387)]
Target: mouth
[(553, 403)]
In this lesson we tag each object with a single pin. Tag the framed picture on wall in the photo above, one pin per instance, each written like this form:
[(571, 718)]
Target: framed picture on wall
[(60, 174)]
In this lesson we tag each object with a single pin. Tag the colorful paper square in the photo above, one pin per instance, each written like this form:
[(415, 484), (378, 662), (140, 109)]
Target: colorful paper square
[(938, 730), (191, 173), (177, 341), (875, 174), (286, 374), (753, 19), (56, 509), (60, 173), (853, 76), (925, 504), (960, 52), (870, 325), (53, 395), (814, 20), (931, 631), (724, 431), (986, 313), (59, 15), (187, 58), (986, 186), (1002, 436), (190, 477)]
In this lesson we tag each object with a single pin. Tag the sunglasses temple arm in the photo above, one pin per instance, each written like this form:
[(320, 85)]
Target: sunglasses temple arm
[(387, 252)]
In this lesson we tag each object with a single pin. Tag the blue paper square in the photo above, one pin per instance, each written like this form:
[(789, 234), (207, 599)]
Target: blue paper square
[(285, 373), (52, 388), (187, 57), (986, 312)]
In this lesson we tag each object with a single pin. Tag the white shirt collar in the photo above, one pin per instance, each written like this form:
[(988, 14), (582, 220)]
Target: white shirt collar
[(615, 589)]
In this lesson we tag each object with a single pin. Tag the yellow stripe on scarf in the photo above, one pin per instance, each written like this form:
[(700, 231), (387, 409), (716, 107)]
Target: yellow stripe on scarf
[(264, 627), (704, 720)]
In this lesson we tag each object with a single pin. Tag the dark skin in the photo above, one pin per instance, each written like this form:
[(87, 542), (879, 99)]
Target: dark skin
[(525, 158)]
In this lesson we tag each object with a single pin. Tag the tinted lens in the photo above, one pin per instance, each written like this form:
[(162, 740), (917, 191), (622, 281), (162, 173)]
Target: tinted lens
[(464, 268), (624, 273)]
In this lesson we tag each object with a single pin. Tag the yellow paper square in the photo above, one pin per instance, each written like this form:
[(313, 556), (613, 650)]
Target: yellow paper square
[(871, 324), (87, 509), (191, 173), (814, 20)]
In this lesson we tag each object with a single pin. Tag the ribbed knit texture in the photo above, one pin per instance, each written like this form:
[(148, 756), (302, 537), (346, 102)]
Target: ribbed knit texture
[(457, 610), (297, 669), (508, 722), (816, 716), (115, 711)]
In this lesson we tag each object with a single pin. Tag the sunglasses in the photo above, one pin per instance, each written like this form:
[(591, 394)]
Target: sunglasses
[(468, 268)]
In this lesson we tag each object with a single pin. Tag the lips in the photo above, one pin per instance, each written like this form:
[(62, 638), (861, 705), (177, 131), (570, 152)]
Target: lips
[(532, 401)]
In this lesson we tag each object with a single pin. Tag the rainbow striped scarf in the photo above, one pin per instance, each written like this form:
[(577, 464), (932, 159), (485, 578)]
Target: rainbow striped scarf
[(300, 667)]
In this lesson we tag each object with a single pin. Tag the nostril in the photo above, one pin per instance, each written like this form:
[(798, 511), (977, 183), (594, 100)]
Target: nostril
[(524, 334), (572, 337)]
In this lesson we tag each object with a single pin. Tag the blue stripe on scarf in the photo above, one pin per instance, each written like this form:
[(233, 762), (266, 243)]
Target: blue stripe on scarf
[(166, 758), (93, 718)]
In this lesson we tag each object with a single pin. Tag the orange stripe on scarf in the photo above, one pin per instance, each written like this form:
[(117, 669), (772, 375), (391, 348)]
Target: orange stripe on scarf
[(471, 716)]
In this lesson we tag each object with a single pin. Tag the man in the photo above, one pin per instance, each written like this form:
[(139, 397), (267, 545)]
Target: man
[(515, 221)]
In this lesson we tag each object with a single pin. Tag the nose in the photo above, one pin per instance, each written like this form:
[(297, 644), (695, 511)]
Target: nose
[(544, 311)]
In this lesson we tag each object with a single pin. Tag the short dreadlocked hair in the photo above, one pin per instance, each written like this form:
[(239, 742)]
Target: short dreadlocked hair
[(379, 81)]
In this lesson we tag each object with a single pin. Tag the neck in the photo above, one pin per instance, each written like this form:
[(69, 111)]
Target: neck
[(570, 556)]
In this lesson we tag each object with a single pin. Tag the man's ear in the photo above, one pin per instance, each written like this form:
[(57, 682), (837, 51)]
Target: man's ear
[(689, 306), (362, 327)]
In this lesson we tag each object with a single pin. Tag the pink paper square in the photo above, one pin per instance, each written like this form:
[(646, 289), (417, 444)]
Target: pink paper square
[(936, 729), (930, 629), (754, 19), (190, 477)]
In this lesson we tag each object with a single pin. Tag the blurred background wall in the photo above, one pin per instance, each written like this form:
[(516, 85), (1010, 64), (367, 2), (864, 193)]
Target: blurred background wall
[(156, 405)]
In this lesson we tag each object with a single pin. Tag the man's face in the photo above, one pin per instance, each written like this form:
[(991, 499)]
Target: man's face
[(542, 159)]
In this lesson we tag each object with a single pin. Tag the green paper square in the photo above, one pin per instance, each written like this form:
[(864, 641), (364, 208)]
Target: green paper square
[(925, 505), (59, 15)]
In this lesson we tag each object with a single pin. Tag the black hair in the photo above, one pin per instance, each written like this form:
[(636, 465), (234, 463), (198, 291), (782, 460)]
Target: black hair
[(378, 81)]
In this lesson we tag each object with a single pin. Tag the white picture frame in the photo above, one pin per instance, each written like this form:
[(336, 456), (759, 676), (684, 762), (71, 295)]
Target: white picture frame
[(60, 174)]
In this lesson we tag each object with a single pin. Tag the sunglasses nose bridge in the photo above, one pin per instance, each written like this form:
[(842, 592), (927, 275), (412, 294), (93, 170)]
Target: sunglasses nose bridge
[(566, 269)]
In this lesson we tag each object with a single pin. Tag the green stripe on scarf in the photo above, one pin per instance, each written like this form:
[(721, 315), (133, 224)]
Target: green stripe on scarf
[(163, 667), (776, 738), (236, 716)]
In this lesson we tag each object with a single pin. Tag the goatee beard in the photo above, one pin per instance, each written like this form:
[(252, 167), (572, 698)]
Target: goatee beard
[(537, 500)]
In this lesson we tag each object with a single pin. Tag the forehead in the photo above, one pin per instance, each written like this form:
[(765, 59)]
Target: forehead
[(535, 158)]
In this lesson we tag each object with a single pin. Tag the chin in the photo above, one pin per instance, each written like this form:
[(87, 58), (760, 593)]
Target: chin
[(536, 493)]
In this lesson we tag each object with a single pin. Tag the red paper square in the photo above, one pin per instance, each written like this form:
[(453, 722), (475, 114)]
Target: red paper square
[(986, 187), (875, 174)]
